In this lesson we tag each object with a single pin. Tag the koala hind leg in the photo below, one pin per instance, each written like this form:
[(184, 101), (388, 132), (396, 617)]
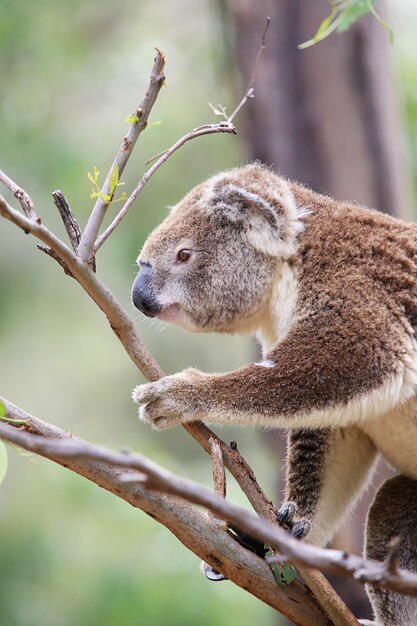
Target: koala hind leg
[(326, 471), (393, 514)]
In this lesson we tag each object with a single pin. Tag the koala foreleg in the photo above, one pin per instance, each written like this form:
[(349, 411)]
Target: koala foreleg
[(333, 383), (326, 471)]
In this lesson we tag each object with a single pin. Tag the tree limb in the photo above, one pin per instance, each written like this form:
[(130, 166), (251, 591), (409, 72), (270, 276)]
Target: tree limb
[(154, 477), (157, 79), (195, 529)]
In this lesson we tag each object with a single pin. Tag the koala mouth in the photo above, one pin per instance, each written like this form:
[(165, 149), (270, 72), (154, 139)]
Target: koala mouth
[(174, 314)]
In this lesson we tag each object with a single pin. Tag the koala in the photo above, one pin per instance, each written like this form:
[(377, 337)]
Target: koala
[(330, 291)]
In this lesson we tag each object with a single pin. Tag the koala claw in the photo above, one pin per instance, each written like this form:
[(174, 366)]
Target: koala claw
[(285, 517), (300, 529), (286, 513)]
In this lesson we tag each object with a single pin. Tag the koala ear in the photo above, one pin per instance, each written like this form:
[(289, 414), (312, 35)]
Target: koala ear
[(260, 220)]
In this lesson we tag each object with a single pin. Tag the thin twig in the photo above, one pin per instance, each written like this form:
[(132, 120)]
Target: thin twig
[(222, 127), (69, 220), (21, 195), (249, 93), (157, 79), (56, 258), (206, 129)]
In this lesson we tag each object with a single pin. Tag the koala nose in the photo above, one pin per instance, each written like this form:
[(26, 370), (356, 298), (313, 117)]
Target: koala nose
[(142, 295)]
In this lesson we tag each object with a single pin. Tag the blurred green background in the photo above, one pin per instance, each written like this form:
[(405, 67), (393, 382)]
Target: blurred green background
[(70, 553)]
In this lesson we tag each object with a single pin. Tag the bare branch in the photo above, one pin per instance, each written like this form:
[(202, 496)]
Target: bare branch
[(333, 561), (56, 258), (70, 222), (222, 127), (21, 195), (193, 528), (141, 114), (206, 129)]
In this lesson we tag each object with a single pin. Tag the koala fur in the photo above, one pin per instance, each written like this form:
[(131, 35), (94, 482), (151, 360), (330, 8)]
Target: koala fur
[(330, 290)]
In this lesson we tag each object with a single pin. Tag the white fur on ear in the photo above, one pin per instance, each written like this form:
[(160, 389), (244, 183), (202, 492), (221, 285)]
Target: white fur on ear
[(265, 226)]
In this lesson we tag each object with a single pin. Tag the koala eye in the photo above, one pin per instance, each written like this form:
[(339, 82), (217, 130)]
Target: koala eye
[(183, 255)]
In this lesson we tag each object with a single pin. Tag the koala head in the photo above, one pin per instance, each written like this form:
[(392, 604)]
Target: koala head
[(212, 263)]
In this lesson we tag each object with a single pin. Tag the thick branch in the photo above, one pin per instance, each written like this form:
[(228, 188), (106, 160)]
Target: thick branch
[(157, 79), (154, 477), (195, 529)]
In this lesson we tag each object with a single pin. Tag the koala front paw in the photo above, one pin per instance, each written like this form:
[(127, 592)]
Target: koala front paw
[(287, 516), (170, 401)]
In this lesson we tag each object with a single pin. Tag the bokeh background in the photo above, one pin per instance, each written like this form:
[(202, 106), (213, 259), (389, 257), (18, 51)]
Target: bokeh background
[(341, 117)]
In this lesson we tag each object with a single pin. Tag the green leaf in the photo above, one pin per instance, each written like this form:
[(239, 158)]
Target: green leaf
[(105, 197), (155, 123), (114, 179), (277, 573), (288, 573), (326, 23), (94, 195), (284, 573), (2, 410), (380, 20), (131, 119), (96, 175), (3, 461), (353, 12)]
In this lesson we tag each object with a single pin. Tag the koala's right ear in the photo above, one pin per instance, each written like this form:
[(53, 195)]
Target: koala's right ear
[(261, 222)]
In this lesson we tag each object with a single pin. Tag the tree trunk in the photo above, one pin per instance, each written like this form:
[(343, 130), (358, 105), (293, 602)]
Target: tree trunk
[(328, 117)]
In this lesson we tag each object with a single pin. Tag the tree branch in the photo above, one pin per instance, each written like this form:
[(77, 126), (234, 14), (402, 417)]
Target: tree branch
[(68, 218), (209, 129), (249, 93), (21, 195), (157, 79), (195, 529), (154, 477)]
